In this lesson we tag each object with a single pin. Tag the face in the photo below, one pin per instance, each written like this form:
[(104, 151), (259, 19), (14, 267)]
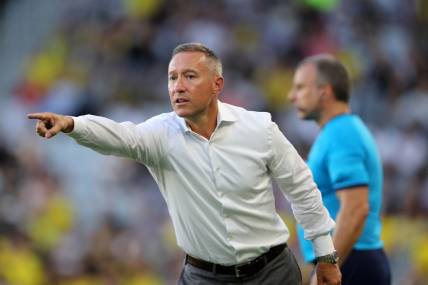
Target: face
[(193, 85), (306, 93)]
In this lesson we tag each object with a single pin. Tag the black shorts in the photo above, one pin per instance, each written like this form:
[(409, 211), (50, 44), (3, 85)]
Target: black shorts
[(368, 267)]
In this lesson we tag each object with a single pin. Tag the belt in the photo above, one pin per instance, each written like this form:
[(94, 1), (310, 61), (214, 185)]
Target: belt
[(245, 269)]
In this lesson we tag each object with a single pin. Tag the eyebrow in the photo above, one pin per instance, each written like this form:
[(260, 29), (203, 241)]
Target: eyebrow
[(184, 71)]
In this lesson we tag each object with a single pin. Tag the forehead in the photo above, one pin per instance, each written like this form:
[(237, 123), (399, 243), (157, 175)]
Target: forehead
[(187, 60), (306, 72)]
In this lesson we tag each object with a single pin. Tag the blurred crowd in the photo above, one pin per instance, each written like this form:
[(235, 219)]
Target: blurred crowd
[(71, 216)]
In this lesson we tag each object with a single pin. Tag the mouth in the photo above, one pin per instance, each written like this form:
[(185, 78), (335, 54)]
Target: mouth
[(180, 101)]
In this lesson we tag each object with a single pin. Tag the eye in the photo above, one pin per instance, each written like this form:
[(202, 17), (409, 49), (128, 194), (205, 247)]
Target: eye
[(298, 87), (190, 76), (172, 77)]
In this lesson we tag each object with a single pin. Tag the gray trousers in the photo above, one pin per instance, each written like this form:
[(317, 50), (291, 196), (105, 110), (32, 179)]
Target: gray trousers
[(282, 270)]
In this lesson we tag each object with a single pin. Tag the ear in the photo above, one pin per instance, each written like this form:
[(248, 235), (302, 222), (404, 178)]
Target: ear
[(328, 92), (218, 84)]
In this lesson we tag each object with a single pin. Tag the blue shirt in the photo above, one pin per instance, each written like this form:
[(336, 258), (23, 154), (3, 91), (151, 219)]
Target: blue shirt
[(345, 155)]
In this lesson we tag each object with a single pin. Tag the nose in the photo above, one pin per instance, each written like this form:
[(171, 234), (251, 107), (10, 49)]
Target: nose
[(179, 85), (291, 96)]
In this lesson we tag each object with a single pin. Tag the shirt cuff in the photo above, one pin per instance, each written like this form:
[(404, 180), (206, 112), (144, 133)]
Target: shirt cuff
[(323, 245), (78, 129)]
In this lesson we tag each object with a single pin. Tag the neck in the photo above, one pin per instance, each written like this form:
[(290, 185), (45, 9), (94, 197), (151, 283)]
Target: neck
[(337, 109), (204, 128), (204, 124)]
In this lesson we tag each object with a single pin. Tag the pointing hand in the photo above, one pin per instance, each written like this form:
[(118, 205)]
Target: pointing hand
[(49, 124)]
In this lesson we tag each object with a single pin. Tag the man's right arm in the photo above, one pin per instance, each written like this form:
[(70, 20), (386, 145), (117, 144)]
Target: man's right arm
[(98, 133)]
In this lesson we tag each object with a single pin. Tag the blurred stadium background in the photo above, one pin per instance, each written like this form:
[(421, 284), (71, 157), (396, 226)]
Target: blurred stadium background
[(70, 216)]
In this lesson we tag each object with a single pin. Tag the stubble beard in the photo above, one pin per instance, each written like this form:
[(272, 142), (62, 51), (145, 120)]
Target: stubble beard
[(313, 115)]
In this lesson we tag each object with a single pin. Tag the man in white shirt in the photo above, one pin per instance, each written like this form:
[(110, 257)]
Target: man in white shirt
[(214, 164)]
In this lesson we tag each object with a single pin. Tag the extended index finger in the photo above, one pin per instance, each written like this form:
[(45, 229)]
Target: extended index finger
[(38, 116)]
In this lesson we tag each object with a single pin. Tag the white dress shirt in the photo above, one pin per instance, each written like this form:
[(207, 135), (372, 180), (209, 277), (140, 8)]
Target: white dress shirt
[(219, 191)]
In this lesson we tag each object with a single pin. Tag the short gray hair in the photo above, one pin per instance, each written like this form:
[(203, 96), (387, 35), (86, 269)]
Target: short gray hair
[(331, 71), (198, 47)]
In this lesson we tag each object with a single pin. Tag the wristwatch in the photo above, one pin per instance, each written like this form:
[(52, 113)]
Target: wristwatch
[(331, 258)]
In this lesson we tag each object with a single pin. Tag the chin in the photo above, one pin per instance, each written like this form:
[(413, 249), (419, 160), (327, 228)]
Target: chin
[(310, 117), (306, 116), (303, 116), (182, 113)]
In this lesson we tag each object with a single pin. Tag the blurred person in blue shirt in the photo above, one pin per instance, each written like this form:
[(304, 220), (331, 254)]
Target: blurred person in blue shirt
[(347, 169)]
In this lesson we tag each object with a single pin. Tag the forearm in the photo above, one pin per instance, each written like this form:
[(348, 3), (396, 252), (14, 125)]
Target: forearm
[(349, 226), (104, 135)]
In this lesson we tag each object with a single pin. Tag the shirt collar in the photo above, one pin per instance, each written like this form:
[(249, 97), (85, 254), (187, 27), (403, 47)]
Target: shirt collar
[(224, 115)]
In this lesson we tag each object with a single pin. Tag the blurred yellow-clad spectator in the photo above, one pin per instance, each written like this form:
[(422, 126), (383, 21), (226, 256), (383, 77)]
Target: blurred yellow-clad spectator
[(144, 279), (45, 67), (142, 8), (351, 63), (19, 265), (52, 222), (275, 83), (420, 252), (84, 280)]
